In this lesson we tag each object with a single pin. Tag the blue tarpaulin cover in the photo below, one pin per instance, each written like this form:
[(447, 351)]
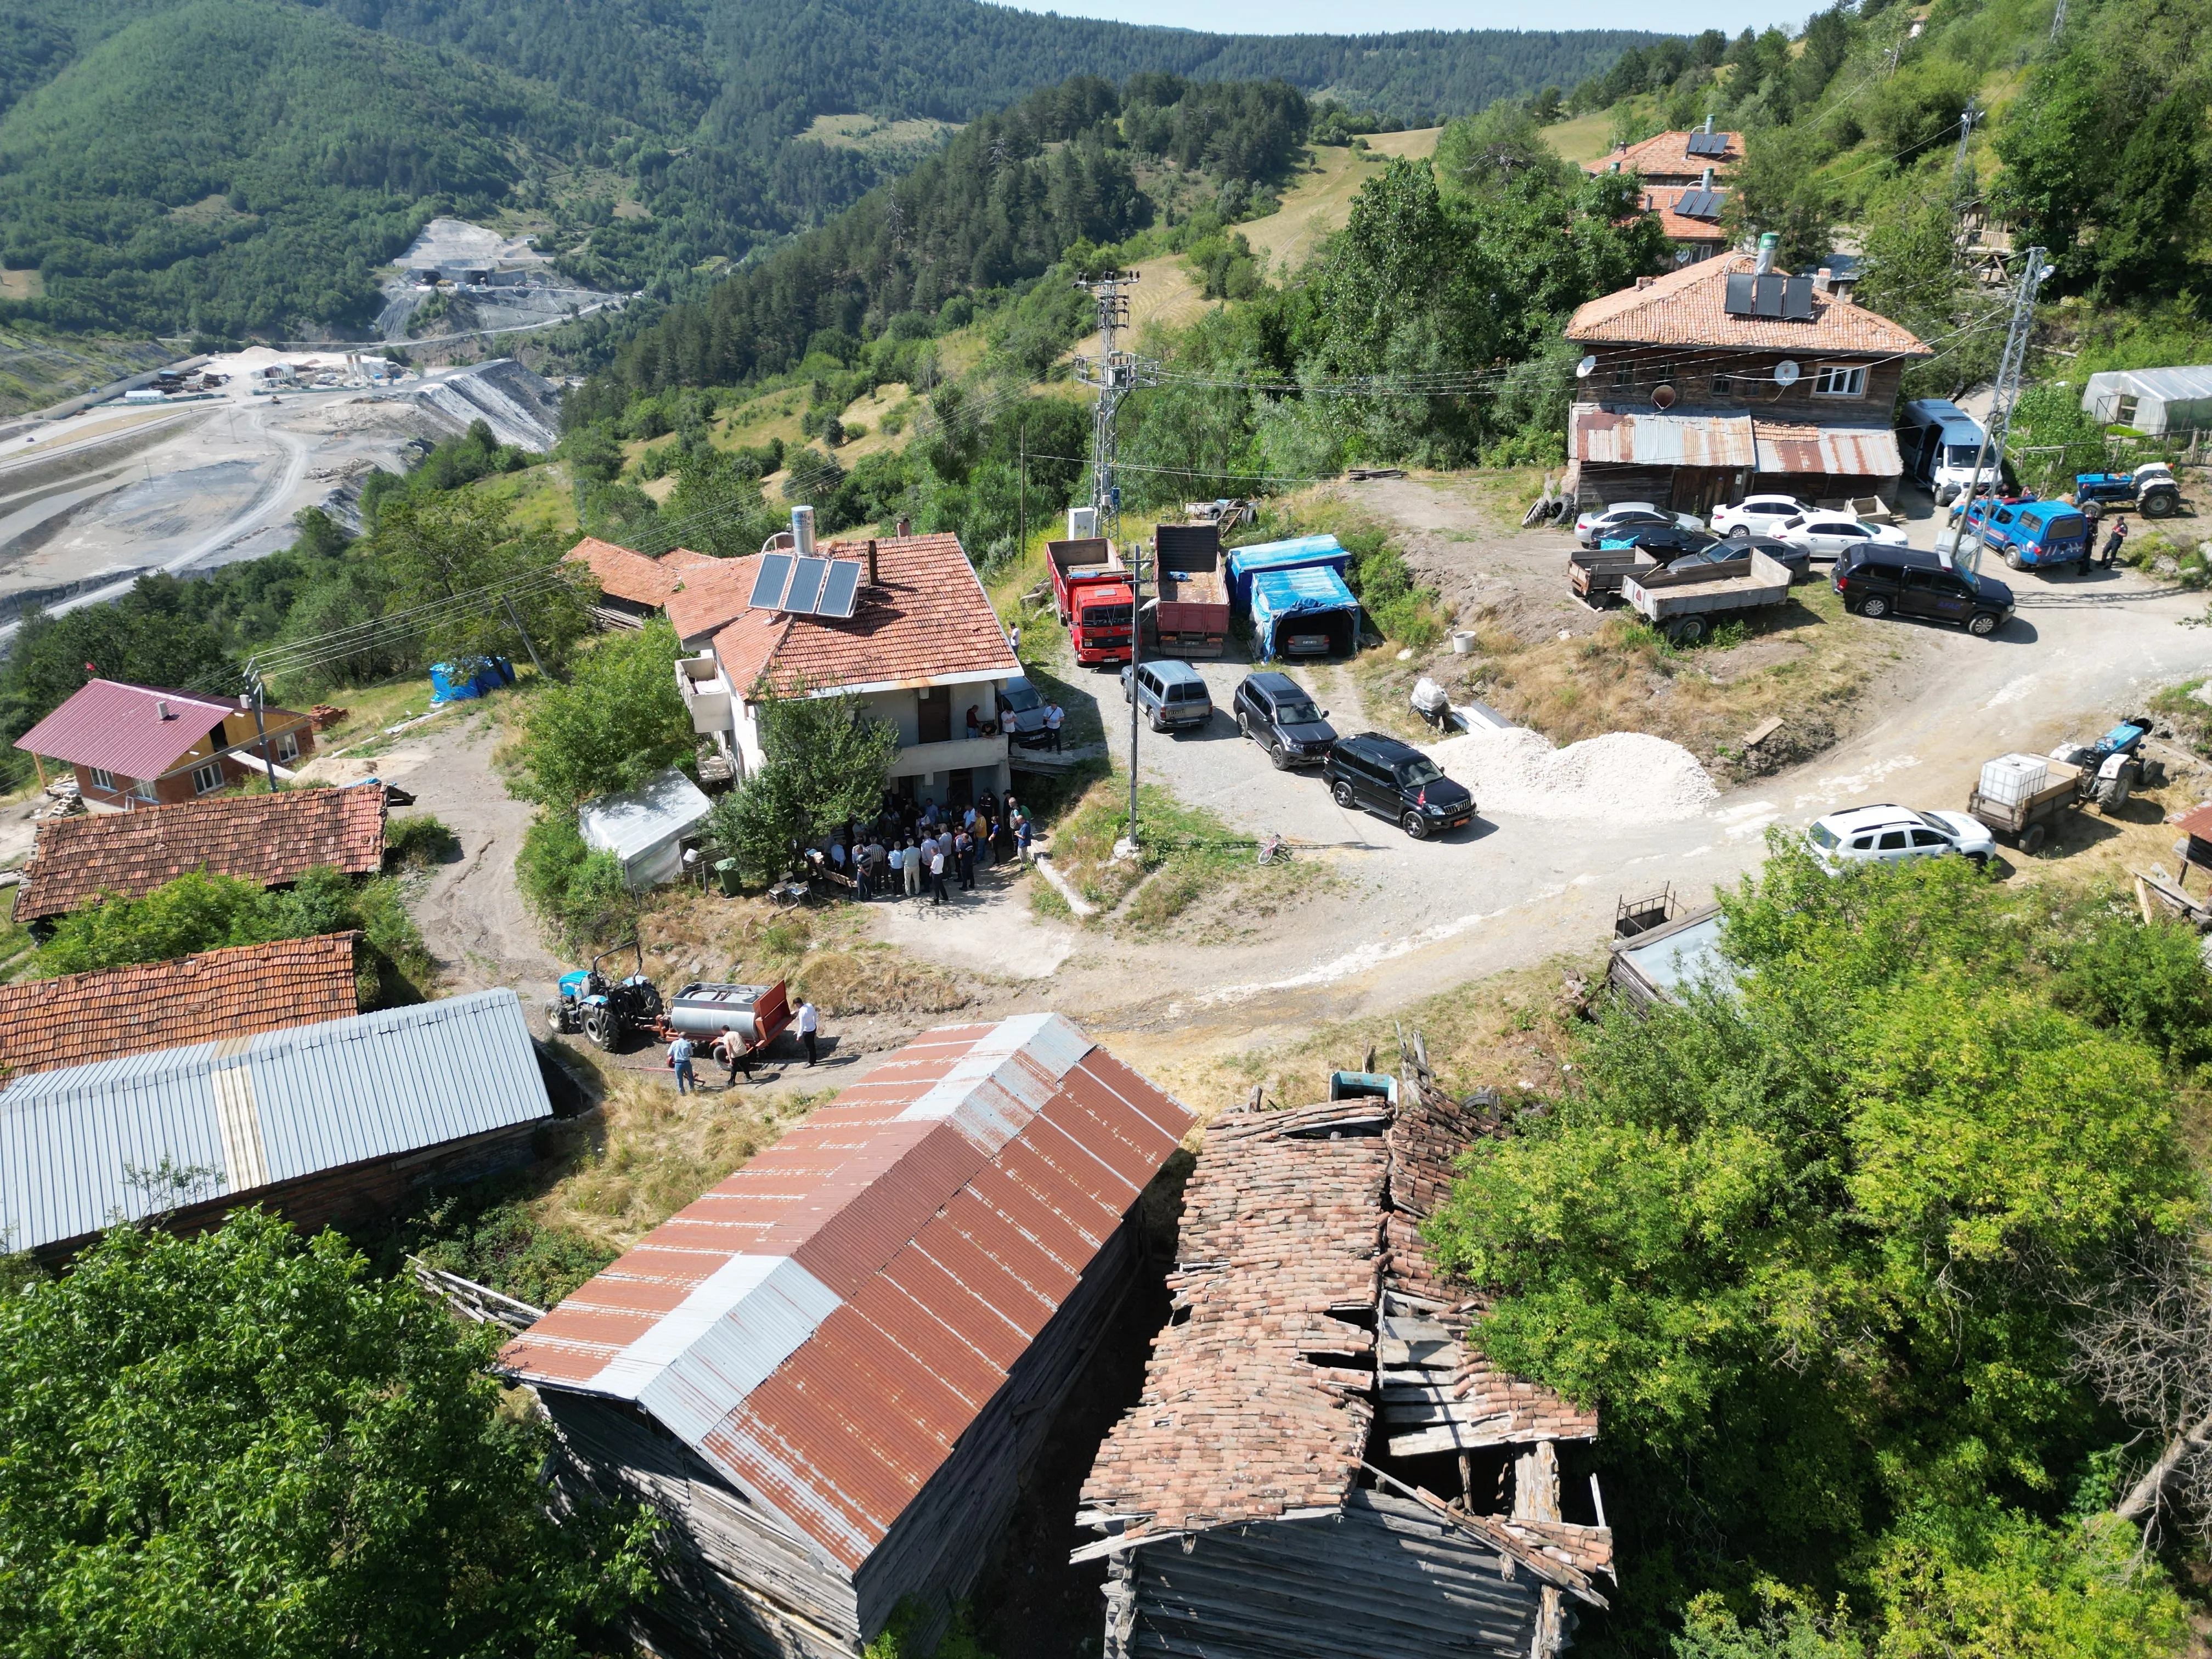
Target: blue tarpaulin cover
[(1279, 595), (457, 681), (1304, 552)]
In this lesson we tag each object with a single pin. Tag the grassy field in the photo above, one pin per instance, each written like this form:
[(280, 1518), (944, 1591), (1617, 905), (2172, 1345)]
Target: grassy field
[(1582, 139), (1321, 200)]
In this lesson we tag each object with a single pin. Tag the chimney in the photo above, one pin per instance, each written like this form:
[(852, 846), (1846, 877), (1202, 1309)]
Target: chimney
[(1766, 262), (905, 526), (1645, 282), (873, 582), (1706, 183), (802, 531), (162, 708), (1709, 120), (1824, 281), (1615, 168)]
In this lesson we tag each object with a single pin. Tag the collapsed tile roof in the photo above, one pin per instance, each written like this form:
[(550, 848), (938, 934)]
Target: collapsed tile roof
[(926, 617), (1261, 1398), (639, 578), (824, 1325), (47, 1024), (269, 839), (1688, 308)]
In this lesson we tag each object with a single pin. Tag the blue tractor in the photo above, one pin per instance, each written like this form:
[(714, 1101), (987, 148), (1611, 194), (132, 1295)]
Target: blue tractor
[(607, 1011), (2150, 489), (2113, 767)]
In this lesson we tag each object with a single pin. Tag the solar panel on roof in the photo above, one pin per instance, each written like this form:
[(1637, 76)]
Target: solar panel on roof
[(1738, 301), (1708, 143), (806, 587), (1766, 296), (840, 591), (769, 585), (1700, 204), (1797, 300)]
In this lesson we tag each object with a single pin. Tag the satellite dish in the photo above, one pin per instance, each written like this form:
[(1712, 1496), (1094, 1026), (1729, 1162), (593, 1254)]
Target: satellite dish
[(1662, 397), (1786, 373), (1584, 369)]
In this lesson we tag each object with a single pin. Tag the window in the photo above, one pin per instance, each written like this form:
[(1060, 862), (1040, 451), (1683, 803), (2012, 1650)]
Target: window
[(1840, 380), (1892, 841), (1928, 838), (143, 788), (2123, 412), (103, 779), (288, 747), (206, 778), (1624, 376)]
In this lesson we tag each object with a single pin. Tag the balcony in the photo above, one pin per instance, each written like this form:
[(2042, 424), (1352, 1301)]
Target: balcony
[(696, 678), (915, 760)]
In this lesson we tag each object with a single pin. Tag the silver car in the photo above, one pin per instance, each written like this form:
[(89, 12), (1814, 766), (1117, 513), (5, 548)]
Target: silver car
[(1599, 522)]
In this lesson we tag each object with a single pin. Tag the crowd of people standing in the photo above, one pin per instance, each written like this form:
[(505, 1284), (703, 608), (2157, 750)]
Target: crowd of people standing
[(915, 849)]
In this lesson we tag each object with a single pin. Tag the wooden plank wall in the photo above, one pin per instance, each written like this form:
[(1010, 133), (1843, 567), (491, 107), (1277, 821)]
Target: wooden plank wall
[(1386, 1579)]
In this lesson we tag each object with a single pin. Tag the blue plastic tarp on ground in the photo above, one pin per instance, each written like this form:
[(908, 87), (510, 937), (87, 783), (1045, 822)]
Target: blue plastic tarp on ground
[(1303, 553), (1280, 596), (457, 681)]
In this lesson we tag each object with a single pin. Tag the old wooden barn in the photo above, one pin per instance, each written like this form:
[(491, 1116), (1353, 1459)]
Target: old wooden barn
[(829, 1372), (1322, 1462)]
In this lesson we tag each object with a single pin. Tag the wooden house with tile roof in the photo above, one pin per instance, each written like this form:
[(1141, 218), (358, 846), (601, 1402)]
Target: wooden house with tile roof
[(1727, 377), (633, 586), (1323, 1461), (1673, 158)]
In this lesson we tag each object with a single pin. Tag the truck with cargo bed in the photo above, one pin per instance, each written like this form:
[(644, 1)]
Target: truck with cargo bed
[(1685, 604), (1595, 573), (1190, 617), (1091, 592)]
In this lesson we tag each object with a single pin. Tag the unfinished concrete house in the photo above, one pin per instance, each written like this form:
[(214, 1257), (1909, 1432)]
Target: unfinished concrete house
[(1321, 1463), (829, 1373)]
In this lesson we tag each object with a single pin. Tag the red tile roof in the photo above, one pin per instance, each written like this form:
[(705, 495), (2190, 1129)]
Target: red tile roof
[(1667, 156), (636, 577), (120, 728), (1685, 308), (711, 597), (48, 1023), (269, 839), (1661, 199), (1259, 1402), (826, 1324), (927, 616)]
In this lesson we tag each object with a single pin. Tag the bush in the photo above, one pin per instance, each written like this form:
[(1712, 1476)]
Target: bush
[(619, 721), (577, 891), (420, 840)]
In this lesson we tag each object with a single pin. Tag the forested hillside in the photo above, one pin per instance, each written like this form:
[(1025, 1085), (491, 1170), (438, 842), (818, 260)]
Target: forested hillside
[(189, 165)]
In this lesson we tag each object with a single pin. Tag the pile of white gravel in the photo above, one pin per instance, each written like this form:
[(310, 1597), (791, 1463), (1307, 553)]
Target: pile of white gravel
[(1623, 777)]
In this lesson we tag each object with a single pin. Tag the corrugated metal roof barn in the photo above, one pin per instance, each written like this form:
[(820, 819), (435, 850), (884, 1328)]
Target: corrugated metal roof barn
[(830, 1370), (309, 1120)]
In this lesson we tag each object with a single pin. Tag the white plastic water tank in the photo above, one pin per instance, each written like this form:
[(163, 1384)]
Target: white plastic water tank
[(2011, 779)]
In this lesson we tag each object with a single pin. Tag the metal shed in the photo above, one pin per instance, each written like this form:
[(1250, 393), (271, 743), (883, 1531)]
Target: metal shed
[(2155, 401), (831, 1371), (645, 827), (322, 1122)]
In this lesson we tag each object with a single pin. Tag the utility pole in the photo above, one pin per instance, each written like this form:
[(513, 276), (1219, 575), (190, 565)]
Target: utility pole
[(1114, 374), (2001, 401), (1967, 117), (2058, 20), (260, 732)]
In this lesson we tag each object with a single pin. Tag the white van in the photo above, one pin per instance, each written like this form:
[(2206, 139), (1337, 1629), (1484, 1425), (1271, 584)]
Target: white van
[(1939, 441)]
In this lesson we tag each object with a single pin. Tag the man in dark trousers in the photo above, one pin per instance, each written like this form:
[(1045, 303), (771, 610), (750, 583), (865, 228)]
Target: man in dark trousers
[(2114, 542), (809, 1022)]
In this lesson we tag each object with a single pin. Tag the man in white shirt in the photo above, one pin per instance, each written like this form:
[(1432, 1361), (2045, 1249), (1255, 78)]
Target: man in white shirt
[(809, 1024), (679, 1060), (1053, 717)]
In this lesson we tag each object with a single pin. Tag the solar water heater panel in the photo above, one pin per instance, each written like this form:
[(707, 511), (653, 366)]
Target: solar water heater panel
[(840, 590), (806, 587), (768, 587)]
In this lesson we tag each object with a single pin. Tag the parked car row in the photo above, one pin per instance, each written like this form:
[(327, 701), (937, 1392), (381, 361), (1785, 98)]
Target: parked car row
[(1370, 771)]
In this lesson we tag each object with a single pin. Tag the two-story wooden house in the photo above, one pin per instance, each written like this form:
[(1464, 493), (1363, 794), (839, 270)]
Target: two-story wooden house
[(1727, 377), (141, 745)]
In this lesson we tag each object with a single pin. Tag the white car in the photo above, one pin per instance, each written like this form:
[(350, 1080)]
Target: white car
[(1756, 515), (1599, 522), (1831, 535), (1891, 835)]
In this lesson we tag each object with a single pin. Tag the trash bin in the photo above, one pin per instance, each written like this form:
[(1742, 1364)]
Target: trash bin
[(726, 873)]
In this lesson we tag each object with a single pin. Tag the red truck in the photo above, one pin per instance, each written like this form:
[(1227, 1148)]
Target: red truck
[(1190, 618), (1090, 589)]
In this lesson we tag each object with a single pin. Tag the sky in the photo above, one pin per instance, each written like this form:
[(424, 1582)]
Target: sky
[(1383, 16)]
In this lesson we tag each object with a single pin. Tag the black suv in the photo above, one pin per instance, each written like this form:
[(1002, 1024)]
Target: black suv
[(1275, 712), (1397, 780), (1881, 581)]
